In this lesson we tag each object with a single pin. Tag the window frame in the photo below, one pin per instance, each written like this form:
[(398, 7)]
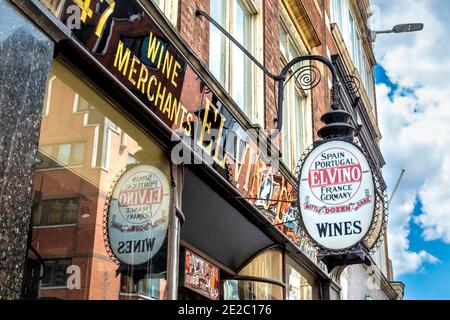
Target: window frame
[(40, 216), (310, 279), (53, 156), (170, 8), (52, 285), (296, 143), (354, 43), (253, 107)]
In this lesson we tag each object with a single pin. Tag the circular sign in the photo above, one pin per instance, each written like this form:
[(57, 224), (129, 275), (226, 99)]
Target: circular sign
[(336, 195), (138, 214)]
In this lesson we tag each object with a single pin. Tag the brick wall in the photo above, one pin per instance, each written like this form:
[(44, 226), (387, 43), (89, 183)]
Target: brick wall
[(195, 31), (271, 58)]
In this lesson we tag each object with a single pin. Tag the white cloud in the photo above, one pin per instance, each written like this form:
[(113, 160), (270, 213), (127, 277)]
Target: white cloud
[(416, 126)]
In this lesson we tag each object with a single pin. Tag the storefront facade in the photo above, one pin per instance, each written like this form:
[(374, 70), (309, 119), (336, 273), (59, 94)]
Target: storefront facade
[(133, 172)]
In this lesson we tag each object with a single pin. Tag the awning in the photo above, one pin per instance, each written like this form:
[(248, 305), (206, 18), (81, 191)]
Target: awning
[(216, 227)]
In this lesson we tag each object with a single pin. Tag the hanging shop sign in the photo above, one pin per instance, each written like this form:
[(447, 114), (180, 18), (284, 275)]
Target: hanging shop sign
[(337, 195), (138, 215), (201, 276)]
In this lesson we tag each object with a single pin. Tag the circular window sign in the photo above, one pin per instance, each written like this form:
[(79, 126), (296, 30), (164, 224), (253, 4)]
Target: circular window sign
[(138, 214), (336, 195)]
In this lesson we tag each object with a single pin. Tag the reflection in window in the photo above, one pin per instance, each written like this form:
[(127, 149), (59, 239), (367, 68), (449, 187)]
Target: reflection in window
[(242, 73), (57, 212), (55, 6), (299, 284), (298, 287), (251, 290), (69, 203), (266, 267), (217, 42), (81, 104), (56, 273), (268, 264), (60, 155), (147, 287)]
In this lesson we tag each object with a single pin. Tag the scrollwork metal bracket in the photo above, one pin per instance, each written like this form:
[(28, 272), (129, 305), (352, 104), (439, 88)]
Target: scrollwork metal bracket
[(308, 76)]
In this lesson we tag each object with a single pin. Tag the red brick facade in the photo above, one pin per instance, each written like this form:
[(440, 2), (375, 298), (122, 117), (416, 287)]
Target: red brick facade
[(195, 31), (272, 59)]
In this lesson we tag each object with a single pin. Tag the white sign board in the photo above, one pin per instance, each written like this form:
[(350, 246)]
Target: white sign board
[(138, 214), (337, 195)]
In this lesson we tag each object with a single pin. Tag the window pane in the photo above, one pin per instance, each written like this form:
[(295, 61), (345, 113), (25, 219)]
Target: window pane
[(54, 212), (267, 265), (241, 67), (299, 126), (337, 13), (71, 211), (351, 36), (217, 41), (283, 42), (83, 105), (77, 154), (48, 273), (64, 154), (251, 290), (60, 271), (300, 285), (293, 53), (73, 199), (286, 140)]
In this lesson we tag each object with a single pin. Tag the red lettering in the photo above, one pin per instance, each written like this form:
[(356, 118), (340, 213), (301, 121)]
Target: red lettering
[(335, 176)]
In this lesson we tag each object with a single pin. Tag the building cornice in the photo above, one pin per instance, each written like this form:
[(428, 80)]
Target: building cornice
[(303, 23)]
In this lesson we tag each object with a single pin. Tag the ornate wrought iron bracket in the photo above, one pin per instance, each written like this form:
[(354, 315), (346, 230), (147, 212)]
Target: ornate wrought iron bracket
[(337, 121), (358, 255)]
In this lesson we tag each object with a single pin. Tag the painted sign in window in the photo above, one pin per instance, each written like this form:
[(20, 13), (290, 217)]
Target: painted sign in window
[(201, 276), (138, 214)]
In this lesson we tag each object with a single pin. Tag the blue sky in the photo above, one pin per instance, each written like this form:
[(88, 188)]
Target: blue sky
[(413, 101), (429, 280), (432, 280)]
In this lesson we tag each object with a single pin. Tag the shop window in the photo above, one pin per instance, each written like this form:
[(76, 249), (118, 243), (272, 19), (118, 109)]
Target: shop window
[(55, 274), (268, 264), (261, 279), (297, 123), (300, 285), (252, 290), (71, 193), (147, 287), (227, 62)]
